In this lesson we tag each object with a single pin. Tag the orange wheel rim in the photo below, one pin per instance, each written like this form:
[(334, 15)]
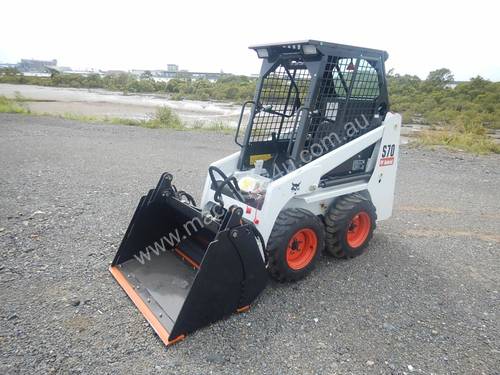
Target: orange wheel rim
[(301, 248), (358, 229)]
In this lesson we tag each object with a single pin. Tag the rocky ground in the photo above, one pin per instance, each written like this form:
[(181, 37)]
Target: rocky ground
[(423, 299)]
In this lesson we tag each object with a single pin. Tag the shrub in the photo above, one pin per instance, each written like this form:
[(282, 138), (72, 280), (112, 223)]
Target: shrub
[(11, 106), (466, 141), (166, 118)]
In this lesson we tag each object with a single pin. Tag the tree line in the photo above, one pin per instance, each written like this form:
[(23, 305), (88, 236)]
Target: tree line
[(439, 100), (228, 87), (436, 100)]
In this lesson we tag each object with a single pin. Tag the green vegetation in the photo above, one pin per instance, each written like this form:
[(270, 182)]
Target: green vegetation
[(11, 106), (163, 118), (466, 141), (433, 101), (460, 115), (228, 87)]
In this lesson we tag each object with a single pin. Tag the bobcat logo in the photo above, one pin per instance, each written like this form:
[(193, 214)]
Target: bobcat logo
[(296, 187)]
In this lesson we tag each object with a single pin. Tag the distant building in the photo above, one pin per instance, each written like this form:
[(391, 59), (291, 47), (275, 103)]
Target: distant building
[(137, 72), (35, 66), (206, 75), (115, 72), (173, 68), (45, 68), (68, 70), (7, 65), (173, 71)]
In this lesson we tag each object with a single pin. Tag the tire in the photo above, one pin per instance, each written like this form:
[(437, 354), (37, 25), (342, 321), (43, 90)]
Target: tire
[(349, 223), (295, 244)]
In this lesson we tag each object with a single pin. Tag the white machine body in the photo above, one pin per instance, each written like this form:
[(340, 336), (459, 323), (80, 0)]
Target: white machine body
[(301, 187)]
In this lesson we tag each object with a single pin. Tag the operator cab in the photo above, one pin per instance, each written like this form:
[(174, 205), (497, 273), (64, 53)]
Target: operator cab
[(311, 98)]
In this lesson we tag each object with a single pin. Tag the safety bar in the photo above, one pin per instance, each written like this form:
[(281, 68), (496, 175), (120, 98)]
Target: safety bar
[(290, 142), (239, 121)]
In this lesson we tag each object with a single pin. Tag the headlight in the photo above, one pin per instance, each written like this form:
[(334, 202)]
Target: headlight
[(309, 49), (262, 53)]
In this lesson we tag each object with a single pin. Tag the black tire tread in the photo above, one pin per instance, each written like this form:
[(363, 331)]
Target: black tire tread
[(279, 236), (336, 219)]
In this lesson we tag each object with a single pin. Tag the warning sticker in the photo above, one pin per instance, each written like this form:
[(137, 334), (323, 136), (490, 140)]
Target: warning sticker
[(384, 162), (254, 158)]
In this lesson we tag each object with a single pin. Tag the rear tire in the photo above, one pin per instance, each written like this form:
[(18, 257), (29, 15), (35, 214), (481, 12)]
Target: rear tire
[(350, 222), (295, 244)]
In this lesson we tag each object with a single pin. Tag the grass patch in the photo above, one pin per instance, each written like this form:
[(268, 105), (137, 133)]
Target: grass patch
[(122, 121), (91, 119), (74, 117), (19, 98), (163, 118), (11, 106), (219, 127), (469, 137)]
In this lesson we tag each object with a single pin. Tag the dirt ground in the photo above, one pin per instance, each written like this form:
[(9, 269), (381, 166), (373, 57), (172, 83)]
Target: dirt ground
[(423, 299), (103, 103)]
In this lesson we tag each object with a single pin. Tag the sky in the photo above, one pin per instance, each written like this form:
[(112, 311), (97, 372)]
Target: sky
[(420, 36)]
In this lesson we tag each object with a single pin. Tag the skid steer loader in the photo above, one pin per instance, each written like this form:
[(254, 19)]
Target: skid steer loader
[(316, 170)]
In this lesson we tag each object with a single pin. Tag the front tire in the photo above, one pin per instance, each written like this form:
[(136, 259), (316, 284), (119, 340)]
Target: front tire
[(350, 222), (295, 244)]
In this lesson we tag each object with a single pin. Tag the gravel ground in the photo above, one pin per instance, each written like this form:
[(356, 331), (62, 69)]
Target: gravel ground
[(424, 299)]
